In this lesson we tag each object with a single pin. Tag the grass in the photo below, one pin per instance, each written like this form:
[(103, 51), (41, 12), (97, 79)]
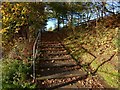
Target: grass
[(108, 72), (100, 40)]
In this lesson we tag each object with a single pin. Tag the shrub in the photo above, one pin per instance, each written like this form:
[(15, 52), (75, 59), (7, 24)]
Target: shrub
[(16, 74)]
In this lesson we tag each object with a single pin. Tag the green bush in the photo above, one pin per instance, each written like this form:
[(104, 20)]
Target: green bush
[(16, 74)]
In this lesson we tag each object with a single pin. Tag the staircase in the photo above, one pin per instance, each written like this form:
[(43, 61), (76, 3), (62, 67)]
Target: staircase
[(55, 68)]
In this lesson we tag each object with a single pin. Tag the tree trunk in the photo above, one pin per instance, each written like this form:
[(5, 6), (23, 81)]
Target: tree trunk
[(71, 19), (58, 23), (63, 20)]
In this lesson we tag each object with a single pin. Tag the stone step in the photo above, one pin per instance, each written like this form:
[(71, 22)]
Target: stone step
[(56, 64), (67, 74), (55, 56), (58, 48), (54, 59), (69, 61), (50, 71), (51, 46), (53, 52), (57, 53), (52, 49), (46, 59), (50, 42)]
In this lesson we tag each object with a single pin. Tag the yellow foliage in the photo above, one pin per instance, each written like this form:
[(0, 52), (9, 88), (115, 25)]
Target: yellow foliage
[(17, 29), (2, 31)]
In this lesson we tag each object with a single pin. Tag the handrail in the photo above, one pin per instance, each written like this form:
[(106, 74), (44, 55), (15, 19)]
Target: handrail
[(34, 54)]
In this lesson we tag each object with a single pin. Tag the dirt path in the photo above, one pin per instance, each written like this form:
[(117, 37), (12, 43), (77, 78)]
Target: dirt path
[(56, 69)]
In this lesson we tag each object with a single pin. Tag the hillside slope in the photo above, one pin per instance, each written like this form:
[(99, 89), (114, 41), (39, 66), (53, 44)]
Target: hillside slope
[(96, 47)]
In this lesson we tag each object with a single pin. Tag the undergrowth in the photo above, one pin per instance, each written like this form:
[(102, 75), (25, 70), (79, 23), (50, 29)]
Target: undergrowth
[(16, 74), (17, 66)]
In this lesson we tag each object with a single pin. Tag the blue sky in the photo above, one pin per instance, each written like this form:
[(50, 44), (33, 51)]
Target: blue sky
[(51, 23)]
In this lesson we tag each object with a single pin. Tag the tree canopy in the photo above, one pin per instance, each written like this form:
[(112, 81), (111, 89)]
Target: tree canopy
[(21, 18)]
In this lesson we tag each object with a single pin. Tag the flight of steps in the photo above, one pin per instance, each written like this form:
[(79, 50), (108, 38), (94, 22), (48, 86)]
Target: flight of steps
[(54, 66)]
